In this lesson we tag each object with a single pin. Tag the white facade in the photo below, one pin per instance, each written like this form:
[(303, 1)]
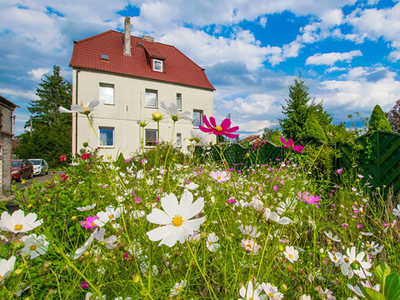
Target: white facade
[(117, 121)]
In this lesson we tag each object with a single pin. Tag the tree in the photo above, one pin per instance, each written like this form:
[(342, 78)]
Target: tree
[(393, 117), (50, 135), (313, 130), (297, 109), (378, 120), (276, 137)]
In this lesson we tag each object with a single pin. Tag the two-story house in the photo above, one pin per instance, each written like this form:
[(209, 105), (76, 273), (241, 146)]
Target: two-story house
[(6, 117), (133, 75)]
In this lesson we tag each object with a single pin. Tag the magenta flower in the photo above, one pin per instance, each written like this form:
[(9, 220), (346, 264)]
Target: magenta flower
[(223, 129), (85, 285), (307, 198), (289, 144), (89, 223), (340, 171)]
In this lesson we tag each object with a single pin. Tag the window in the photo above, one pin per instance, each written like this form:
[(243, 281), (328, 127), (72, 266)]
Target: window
[(157, 65), (107, 136), (198, 118), (179, 140), (179, 101), (107, 93), (151, 98), (150, 137)]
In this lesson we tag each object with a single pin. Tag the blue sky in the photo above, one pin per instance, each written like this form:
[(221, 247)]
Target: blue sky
[(348, 50)]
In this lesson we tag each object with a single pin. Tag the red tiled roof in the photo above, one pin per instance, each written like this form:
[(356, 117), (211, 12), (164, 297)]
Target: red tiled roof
[(178, 68), (7, 102)]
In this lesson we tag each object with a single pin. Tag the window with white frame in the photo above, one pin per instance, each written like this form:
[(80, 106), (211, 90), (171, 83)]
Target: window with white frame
[(151, 98), (158, 65), (107, 93), (150, 137), (107, 136), (179, 140), (198, 117), (179, 101)]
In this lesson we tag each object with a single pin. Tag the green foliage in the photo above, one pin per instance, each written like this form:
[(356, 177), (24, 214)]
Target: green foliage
[(390, 285), (50, 135), (312, 130), (297, 109), (276, 137), (378, 120), (393, 117)]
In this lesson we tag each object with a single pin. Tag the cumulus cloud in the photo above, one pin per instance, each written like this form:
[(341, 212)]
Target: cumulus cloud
[(332, 58), (38, 73)]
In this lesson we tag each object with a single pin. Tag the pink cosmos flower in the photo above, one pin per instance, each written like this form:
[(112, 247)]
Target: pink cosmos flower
[(250, 245), (220, 176), (340, 171), (63, 158), (223, 129), (89, 223), (307, 198), (289, 144)]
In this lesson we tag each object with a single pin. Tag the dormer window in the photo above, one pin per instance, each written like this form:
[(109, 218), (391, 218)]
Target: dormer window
[(158, 65)]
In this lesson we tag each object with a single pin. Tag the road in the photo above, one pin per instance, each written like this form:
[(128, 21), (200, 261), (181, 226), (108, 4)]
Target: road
[(38, 179)]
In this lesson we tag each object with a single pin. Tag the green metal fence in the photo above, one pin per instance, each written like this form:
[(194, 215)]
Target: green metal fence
[(379, 161)]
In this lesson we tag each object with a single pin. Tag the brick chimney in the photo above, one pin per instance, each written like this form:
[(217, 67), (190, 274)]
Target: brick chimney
[(127, 45)]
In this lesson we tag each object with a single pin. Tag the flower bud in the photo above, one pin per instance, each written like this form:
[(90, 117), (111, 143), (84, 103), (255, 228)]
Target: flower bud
[(157, 116), (18, 271)]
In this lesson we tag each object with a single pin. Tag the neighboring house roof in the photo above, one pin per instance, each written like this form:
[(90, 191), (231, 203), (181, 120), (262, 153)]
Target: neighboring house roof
[(178, 68), (250, 138), (7, 102)]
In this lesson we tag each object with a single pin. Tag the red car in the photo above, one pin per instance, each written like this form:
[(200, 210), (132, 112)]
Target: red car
[(21, 168)]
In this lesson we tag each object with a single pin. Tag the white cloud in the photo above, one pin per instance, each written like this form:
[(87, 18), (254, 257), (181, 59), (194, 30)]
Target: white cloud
[(16, 93), (38, 73), (334, 69), (394, 56), (263, 21), (331, 18), (332, 58)]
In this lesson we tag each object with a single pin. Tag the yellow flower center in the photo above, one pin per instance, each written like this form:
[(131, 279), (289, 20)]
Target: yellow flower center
[(218, 128), (219, 177), (210, 243), (290, 256), (111, 217), (346, 259), (249, 245), (33, 247), (251, 298), (179, 288), (85, 107), (18, 227), (335, 258), (1, 277), (177, 221), (93, 224), (271, 295)]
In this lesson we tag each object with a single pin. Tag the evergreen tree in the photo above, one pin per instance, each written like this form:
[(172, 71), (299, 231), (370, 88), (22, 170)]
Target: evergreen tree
[(393, 117), (312, 130), (276, 138), (50, 135), (297, 109), (378, 120)]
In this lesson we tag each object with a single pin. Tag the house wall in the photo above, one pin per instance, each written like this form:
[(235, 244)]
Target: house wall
[(5, 149), (129, 108)]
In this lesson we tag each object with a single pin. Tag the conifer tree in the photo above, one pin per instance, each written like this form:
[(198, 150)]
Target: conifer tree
[(378, 120), (50, 135), (313, 130)]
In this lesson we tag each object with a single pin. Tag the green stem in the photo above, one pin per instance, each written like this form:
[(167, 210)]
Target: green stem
[(166, 156)]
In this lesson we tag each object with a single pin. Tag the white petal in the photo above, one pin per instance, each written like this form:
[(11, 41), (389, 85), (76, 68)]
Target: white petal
[(163, 106), (159, 233), (93, 105), (185, 203), (194, 224), (77, 108), (170, 205), (157, 216), (64, 110)]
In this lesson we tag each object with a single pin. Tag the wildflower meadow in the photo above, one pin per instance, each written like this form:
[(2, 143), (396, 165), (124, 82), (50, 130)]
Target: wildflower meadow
[(163, 224)]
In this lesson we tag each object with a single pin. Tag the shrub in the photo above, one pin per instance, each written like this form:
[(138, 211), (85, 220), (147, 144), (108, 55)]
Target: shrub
[(378, 120), (312, 130)]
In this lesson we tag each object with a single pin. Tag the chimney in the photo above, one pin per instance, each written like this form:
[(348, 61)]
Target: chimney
[(148, 38), (127, 48)]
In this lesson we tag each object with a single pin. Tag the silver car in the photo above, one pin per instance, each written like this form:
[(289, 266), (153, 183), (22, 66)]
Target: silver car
[(40, 166)]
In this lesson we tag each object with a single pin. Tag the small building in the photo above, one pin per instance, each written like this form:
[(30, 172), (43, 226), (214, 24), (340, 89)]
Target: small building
[(133, 75), (6, 122)]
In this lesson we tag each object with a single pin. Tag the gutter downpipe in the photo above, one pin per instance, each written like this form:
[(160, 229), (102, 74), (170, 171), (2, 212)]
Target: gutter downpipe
[(76, 115)]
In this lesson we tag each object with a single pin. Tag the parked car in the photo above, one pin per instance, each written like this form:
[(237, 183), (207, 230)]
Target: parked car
[(40, 166), (21, 168)]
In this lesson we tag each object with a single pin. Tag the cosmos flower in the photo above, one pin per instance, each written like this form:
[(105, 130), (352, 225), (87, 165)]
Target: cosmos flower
[(178, 288), (86, 110), (250, 293), (109, 215), (6, 267), (173, 112), (212, 242), (331, 237), (86, 208), (250, 245), (307, 198), (220, 176), (89, 223), (396, 211), (176, 218), (290, 145), (271, 291), (223, 129), (291, 254), (34, 245), (198, 137), (18, 223)]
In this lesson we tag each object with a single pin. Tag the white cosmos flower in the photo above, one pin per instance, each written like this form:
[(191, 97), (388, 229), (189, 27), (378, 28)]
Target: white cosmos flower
[(173, 112), (273, 216), (17, 222), (333, 238), (256, 203), (92, 105), (6, 267), (291, 254), (176, 218), (85, 246), (178, 288), (250, 293), (305, 297), (86, 208), (110, 214), (191, 186), (271, 291), (211, 242), (396, 211), (198, 137), (34, 245), (336, 258), (110, 241), (220, 176)]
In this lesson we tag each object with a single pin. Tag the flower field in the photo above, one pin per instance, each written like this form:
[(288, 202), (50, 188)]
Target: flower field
[(176, 226)]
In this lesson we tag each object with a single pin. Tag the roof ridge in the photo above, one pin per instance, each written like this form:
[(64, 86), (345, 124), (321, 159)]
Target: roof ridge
[(95, 36)]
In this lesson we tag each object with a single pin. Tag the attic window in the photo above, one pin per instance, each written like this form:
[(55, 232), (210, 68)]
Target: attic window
[(158, 65), (104, 57)]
